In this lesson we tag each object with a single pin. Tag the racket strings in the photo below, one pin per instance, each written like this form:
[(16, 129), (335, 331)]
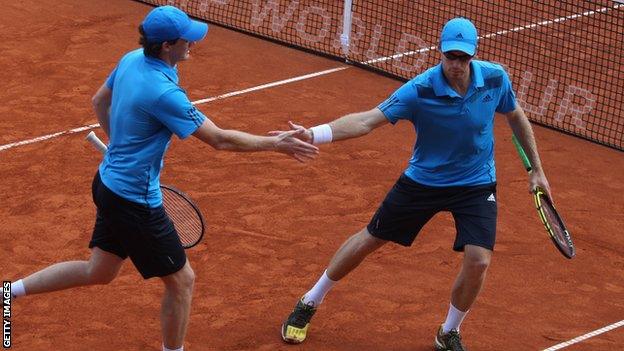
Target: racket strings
[(184, 216), (553, 223), (555, 226)]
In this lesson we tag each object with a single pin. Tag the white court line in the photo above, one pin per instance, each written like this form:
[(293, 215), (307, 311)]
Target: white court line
[(556, 20), (586, 336), (270, 85), (506, 31), (202, 101), (316, 74), (49, 136)]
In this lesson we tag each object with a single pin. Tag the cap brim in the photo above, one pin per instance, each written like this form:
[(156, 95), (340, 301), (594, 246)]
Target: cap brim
[(458, 46), (196, 31)]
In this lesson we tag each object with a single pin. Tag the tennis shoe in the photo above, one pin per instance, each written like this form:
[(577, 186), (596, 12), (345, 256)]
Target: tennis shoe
[(295, 328), (450, 341)]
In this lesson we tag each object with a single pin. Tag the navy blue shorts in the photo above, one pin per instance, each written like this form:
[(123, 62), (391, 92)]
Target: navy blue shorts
[(410, 205), (130, 229)]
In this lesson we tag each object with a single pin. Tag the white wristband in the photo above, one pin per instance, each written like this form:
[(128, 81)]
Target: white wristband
[(321, 134)]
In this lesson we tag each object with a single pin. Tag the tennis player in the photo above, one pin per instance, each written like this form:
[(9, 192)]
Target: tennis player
[(140, 107), (452, 107)]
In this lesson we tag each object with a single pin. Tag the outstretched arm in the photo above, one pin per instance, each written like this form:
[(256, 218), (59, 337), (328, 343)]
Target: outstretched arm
[(346, 127), (357, 124), (234, 140), (523, 131)]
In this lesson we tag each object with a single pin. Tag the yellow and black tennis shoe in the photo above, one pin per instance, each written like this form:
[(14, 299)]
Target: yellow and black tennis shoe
[(450, 341), (295, 329)]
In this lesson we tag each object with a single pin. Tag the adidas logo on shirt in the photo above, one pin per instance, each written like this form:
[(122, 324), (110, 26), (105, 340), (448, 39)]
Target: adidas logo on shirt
[(487, 98), (491, 198)]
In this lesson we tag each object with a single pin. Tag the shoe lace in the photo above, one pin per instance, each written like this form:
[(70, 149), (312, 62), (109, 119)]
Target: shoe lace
[(454, 341), (302, 316)]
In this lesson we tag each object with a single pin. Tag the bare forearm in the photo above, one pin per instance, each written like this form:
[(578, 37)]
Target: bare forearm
[(101, 102), (102, 113), (234, 140), (347, 127), (523, 131), (356, 124)]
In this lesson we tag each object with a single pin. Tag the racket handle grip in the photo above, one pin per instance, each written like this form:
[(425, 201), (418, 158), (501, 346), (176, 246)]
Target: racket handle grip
[(523, 156), (96, 142)]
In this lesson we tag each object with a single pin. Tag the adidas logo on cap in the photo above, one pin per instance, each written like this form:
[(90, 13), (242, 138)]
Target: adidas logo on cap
[(459, 36)]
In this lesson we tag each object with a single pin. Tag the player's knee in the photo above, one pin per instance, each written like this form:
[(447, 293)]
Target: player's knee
[(183, 281), (477, 265), (367, 242), (189, 278)]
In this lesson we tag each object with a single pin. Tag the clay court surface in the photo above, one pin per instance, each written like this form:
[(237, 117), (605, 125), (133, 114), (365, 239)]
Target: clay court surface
[(273, 223)]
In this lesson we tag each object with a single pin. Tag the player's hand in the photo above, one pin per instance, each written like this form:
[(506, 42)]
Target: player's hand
[(305, 135), (538, 179), (290, 143)]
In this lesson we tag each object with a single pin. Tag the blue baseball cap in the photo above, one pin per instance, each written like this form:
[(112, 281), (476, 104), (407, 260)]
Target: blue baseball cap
[(459, 34), (169, 23)]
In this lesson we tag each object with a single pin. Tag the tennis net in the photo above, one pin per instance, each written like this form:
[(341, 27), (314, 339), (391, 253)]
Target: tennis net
[(564, 56)]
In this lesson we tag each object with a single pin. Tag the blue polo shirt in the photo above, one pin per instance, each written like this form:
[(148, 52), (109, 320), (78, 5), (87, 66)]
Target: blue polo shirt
[(455, 134), (147, 108)]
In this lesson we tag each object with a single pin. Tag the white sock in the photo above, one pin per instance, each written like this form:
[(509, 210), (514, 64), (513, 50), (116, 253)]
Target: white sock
[(166, 349), (17, 288), (454, 319), (315, 296)]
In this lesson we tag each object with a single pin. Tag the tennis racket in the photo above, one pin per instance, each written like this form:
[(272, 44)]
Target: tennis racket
[(183, 212), (548, 214)]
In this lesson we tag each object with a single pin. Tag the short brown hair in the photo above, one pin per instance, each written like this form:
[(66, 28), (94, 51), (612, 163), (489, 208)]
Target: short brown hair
[(152, 49)]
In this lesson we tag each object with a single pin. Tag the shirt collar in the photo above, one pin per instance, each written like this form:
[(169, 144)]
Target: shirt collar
[(477, 75), (441, 87), (162, 66)]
